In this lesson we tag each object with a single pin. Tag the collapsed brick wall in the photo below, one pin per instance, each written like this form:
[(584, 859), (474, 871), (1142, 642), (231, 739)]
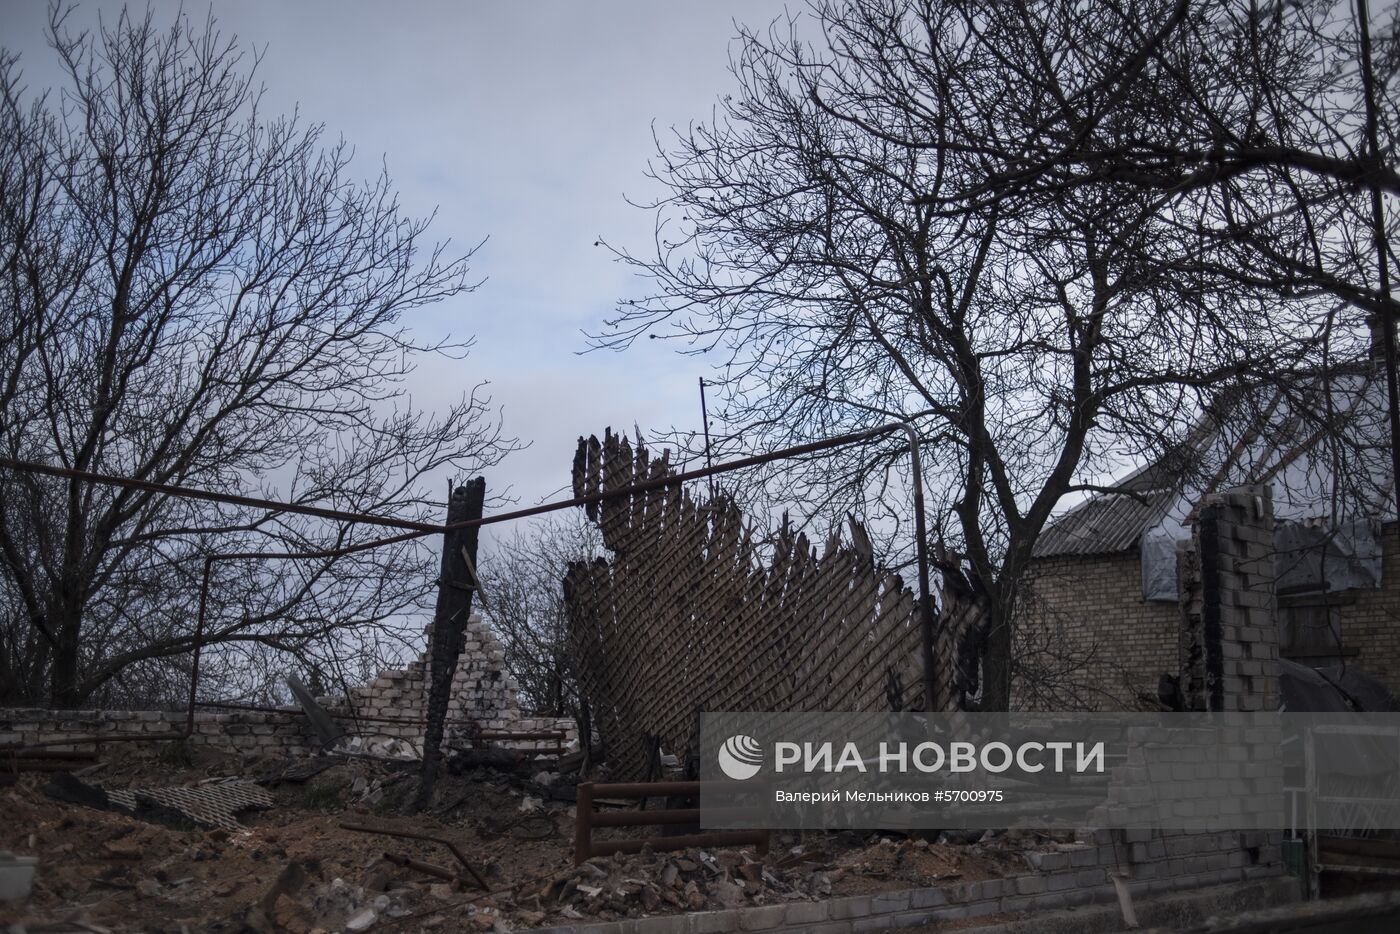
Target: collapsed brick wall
[(688, 616), (484, 696)]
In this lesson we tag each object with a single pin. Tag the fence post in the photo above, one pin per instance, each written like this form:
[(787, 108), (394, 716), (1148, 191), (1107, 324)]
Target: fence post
[(454, 606), (583, 823)]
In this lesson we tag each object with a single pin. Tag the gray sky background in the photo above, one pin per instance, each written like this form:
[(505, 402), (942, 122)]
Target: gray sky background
[(524, 122)]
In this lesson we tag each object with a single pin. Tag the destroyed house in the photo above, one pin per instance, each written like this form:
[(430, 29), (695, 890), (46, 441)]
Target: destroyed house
[(1103, 589)]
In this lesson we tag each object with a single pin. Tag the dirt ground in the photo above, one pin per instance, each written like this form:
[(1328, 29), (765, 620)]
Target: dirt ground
[(294, 867)]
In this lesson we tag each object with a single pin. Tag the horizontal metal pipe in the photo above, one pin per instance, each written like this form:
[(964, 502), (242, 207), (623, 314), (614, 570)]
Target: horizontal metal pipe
[(644, 818), (230, 498), (797, 450), (38, 765), (423, 528), (56, 755), (522, 734)]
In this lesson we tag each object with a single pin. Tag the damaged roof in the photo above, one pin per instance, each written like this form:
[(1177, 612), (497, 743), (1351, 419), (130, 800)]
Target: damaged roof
[(1105, 524), (1274, 435)]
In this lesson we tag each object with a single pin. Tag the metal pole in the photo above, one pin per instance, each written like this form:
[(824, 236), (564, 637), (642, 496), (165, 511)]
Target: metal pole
[(926, 620), (1368, 84), (705, 421), (583, 822), (198, 642)]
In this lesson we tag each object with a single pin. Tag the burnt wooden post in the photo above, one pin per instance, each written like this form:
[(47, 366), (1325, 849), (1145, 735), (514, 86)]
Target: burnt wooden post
[(454, 606)]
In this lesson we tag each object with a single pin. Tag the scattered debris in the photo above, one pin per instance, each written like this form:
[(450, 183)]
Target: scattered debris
[(16, 876), (413, 835), (291, 868), (325, 727), (304, 770), (377, 747), (214, 803)]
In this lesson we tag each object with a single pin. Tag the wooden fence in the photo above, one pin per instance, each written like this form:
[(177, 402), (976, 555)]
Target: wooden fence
[(687, 618)]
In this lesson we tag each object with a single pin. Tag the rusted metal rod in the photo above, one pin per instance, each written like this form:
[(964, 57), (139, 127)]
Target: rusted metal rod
[(413, 835), (417, 865), (583, 823), (646, 818)]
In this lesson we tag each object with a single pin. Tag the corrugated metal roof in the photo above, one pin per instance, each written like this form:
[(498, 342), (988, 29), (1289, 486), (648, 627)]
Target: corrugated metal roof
[(1106, 524)]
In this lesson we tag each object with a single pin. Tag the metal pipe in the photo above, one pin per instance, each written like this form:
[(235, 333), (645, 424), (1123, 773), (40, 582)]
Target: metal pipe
[(198, 643), (926, 621), (583, 822), (428, 869), (230, 498), (647, 818), (101, 740), (705, 420), (411, 835)]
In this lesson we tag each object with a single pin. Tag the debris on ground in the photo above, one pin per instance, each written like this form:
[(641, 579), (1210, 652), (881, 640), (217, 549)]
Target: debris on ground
[(289, 865)]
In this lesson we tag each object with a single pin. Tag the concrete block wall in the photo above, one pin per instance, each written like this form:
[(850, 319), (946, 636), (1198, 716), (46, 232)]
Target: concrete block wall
[(1068, 876), (482, 694), (1229, 630), (281, 733), (1095, 601)]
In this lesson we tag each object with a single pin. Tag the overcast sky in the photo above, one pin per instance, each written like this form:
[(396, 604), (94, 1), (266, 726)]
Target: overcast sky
[(524, 122)]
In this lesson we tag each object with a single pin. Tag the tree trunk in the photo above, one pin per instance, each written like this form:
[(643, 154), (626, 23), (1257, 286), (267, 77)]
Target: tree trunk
[(996, 658), (65, 689)]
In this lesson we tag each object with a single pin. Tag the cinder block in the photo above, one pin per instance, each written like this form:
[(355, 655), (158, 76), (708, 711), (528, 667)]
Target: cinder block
[(764, 918), (855, 906)]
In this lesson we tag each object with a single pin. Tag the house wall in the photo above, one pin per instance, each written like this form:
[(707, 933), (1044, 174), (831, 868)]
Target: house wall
[(1371, 624), (1084, 603), (1090, 608)]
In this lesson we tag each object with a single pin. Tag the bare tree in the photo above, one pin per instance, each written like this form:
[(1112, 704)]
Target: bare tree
[(524, 577), (1263, 132), (826, 235), (193, 293)]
